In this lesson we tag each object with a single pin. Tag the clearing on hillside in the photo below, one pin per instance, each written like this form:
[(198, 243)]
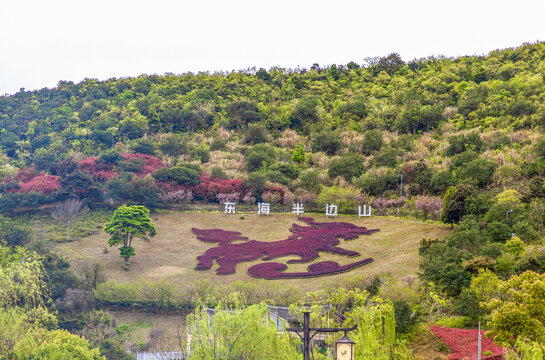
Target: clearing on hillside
[(172, 253)]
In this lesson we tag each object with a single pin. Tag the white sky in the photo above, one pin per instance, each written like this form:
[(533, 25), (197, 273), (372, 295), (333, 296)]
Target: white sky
[(44, 41)]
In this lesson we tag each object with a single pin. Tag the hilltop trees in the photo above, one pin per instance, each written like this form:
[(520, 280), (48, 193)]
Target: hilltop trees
[(127, 223)]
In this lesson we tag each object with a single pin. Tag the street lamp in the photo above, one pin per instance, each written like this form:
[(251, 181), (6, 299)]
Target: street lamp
[(344, 348), (507, 215), (400, 176)]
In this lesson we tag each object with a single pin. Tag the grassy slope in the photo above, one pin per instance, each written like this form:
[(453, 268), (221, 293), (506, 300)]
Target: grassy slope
[(172, 254)]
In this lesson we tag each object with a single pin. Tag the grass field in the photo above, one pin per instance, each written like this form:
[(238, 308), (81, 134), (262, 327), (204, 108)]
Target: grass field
[(172, 253)]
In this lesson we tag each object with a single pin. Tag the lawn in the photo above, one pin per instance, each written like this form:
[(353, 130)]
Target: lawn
[(172, 253)]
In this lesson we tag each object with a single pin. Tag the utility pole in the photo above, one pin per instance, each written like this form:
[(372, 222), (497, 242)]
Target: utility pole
[(479, 345), (400, 176)]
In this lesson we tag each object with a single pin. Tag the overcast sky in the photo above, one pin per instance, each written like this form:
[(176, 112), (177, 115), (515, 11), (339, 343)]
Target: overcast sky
[(44, 41)]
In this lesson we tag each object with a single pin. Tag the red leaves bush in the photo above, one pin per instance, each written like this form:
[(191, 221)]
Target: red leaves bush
[(28, 180), (464, 343), (42, 183), (151, 163), (209, 188)]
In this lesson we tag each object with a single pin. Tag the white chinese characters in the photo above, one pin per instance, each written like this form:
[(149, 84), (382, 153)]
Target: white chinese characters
[(263, 208), (298, 209), (330, 210), (230, 207), (365, 212)]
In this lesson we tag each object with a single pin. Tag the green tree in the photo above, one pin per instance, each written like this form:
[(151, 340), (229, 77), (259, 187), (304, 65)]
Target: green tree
[(241, 333), (127, 223), (348, 166), (519, 309), (454, 207), (53, 345), (299, 156), (327, 141), (372, 141)]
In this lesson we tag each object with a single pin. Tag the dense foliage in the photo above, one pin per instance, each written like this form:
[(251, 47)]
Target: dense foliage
[(460, 138)]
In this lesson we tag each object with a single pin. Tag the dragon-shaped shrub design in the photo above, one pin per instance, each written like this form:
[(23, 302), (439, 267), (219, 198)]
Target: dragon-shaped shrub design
[(306, 242)]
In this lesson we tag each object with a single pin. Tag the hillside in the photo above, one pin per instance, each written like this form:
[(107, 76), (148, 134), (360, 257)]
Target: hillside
[(438, 121), (449, 152), (172, 254)]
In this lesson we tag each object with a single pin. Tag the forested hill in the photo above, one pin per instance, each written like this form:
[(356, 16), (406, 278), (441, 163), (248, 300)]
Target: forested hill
[(353, 126)]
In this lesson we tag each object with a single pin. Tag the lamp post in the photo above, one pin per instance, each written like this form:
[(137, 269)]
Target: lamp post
[(507, 216), (400, 176), (344, 346)]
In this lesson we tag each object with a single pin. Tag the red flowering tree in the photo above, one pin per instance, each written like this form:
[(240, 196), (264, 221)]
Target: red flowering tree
[(209, 188), (151, 163), (42, 183)]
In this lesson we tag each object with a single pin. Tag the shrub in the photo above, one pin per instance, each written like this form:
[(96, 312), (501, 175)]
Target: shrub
[(498, 232), (144, 191), (132, 165), (218, 144), (41, 183), (144, 146), (209, 188), (259, 156), (348, 166), (110, 157), (386, 156), (217, 173), (343, 197), (256, 181), (201, 153), (180, 175), (378, 180), (442, 265), (462, 142), (256, 134), (277, 177), (151, 163), (174, 145), (372, 141), (289, 170), (327, 141), (429, 205), (477, 172), (525, 231), (176, 197), (299, 156), (310, 180)]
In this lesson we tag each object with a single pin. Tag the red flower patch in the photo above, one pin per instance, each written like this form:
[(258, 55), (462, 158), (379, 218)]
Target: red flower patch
[(306, 242), (464, 343)]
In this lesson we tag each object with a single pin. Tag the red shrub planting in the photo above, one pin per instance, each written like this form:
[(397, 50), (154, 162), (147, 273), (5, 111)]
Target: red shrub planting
[(306, 242), (276, 270), (42, 183), (464, 343), (218, 235), (151, 163), (209, 188)]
